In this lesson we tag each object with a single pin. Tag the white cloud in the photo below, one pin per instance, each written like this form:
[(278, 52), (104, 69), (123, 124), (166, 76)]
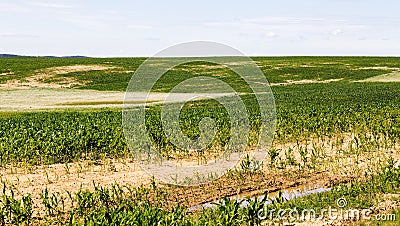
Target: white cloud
[(288, 20), (291, 28), (337, 32), (271, 35), (138, 26), (13, 8), (53, 5), (7, 34), (16, 35), (266, 21)]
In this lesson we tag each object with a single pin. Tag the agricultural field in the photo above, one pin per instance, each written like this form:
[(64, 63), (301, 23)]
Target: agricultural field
[(64, 158)]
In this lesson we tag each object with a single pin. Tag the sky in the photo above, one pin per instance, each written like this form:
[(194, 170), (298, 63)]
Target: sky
[(145, 27)]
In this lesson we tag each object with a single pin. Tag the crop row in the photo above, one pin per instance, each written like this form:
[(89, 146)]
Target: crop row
[(52, 137), (303, 111)]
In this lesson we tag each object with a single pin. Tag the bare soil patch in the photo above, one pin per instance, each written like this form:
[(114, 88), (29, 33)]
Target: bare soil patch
[(72, 176), (6, 73), (304, 81), (391, 77), (38, 78), (379, 68), (76, 68), (37, 99), (46, 98)]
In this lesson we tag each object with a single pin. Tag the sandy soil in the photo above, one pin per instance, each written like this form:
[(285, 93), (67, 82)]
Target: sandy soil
[(305, 81), (37, 79), (72, 176), (37, 99), (6, 73), (391, 77), (379, 68)]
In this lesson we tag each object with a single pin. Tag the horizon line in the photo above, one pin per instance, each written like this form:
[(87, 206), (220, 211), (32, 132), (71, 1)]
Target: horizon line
[(138, 56)]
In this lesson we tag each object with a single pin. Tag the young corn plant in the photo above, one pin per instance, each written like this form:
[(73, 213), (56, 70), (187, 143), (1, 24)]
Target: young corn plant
[(251, 211), (250, 165), (14, 211), (54, 203), (273, 154), (229, 212)]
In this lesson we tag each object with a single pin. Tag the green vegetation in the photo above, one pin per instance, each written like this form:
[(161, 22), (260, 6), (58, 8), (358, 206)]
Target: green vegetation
[(22, 67), (303, 111), (54, 137), (366, 114), (276, 69)]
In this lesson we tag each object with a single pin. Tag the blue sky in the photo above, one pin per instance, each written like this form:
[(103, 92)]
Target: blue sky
[(144, 27)]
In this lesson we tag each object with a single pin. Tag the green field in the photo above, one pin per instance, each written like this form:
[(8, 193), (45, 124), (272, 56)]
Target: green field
[(332, 130), (277, 69)]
